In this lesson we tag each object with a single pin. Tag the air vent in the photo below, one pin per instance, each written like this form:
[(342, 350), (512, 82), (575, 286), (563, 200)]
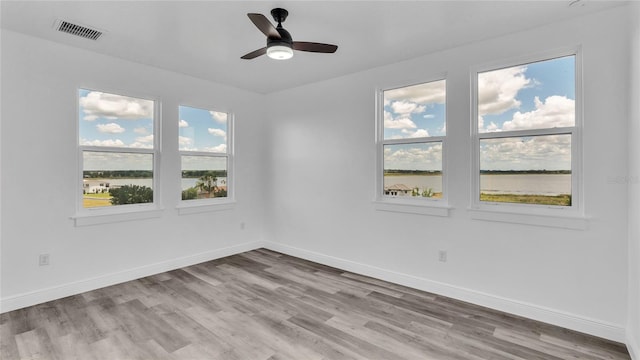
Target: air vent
[(77, 30)]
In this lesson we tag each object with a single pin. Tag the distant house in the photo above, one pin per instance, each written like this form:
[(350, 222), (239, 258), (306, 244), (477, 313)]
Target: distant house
[(95, 186), (397, 190)]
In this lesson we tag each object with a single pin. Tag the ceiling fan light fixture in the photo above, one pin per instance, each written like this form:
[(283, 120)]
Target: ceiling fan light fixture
[(280, 52)]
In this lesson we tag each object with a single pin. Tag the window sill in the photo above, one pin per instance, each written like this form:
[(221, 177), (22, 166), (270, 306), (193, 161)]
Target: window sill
[(87, 219), (187, 208), (558, 220), (430, 208)]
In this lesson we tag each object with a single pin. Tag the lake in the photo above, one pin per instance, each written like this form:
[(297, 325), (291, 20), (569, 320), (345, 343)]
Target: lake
[(534, 184)]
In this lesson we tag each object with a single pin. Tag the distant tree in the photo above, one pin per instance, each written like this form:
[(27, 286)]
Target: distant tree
[(415, 191), (131, 194), (207, 183), (428, 192), (190, 194)]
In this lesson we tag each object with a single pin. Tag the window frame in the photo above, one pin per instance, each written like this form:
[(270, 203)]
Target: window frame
[(409, 204), (527, 213), (209, 204), (98, 215)]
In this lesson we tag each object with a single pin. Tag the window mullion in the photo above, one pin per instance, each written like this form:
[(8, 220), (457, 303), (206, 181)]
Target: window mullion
[(526, 133), (414, 140)]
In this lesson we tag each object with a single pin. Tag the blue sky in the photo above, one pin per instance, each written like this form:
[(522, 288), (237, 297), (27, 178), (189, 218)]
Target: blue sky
[(539, 95), (202, 130), (415, 111), (125, 122), (114, 120), (534, 96)]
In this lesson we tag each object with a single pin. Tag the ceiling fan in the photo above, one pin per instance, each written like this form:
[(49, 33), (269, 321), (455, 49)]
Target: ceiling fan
[(280, 46)]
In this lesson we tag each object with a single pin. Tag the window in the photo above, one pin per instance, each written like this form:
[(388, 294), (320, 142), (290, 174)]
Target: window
[(204, 143), (527, 135), (411, 136), (118, 151)]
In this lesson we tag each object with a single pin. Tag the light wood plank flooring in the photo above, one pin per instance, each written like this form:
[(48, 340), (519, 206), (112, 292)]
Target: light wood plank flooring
[(266, 305)]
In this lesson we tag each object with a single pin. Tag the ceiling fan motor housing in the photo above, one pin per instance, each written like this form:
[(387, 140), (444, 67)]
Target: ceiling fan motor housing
[(285, 38)]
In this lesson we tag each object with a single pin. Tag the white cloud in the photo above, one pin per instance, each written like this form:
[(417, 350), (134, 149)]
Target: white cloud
[(555, 111), (109, 142), (415, 158), (222, 148), (143, 142), (406, 108), (183, 123), (530, 153), (218, 132), (102, 105), (420, 133), (428, 93), (220, 117), (184, 141), (497, 90), (141, 131), (402, 123), (493, 127), (429, 116), (111, 128), (145, 139), (415, 134)]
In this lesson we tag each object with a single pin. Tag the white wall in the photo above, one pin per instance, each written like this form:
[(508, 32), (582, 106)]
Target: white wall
[(39, 115), (322, 161), (633, 325)]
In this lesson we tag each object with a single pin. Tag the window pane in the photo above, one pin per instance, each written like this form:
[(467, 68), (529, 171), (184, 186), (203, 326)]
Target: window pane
[(202, 130), (413, 170), (204, 177), (538, 95), (116, 178), (531, 170), (415, 111), (115, 120)]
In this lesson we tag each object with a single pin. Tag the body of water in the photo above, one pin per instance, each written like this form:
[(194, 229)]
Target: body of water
[(533, 184)]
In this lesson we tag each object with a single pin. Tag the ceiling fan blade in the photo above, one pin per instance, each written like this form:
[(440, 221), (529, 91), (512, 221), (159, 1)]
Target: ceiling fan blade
[(314, 47), (254, 54), (264, 25)]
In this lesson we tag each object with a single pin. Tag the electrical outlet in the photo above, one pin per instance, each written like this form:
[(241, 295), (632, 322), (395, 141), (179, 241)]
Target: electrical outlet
[(442, 255), (43, 260)]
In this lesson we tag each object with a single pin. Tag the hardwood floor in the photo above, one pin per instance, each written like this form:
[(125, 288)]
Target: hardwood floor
[(266, 305)]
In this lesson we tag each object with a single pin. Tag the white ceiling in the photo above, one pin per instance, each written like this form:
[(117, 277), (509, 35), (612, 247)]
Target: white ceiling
[(205, 39)]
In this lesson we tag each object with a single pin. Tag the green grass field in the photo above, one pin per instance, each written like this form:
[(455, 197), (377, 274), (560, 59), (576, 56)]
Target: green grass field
[(96, 200), (558, 200)]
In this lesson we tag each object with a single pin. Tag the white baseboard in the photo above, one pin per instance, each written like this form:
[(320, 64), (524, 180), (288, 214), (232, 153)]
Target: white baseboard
[(531, 311), (57, 292)]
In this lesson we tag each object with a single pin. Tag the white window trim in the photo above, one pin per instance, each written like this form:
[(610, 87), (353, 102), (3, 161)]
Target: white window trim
[(104, 215), (571, 217), (411, 205), (187, 207)]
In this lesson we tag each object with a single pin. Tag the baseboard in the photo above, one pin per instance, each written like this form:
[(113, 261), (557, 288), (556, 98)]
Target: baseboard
[(531, 311), (39, 296)]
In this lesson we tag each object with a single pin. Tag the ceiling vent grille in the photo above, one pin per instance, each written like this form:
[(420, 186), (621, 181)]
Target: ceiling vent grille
[(77, 30)]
